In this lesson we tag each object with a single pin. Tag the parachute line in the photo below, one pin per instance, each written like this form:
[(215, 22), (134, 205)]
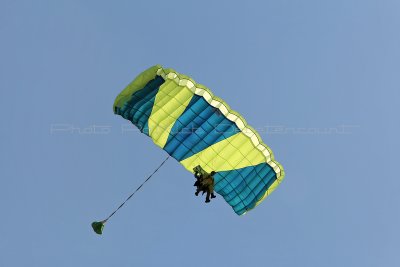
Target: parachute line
[(137, 189)]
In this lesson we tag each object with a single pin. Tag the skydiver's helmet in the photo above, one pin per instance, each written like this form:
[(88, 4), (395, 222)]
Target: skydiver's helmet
[(212, 173), (198, 171)]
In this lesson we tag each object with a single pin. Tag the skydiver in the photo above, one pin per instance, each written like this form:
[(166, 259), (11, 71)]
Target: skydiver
[(205, 184), (199, 178), (198, 184)]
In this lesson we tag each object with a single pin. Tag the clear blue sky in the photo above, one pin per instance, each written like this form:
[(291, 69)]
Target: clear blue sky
[(320, 79)]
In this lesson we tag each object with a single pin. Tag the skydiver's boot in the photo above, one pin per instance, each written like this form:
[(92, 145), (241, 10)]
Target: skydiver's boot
[(213, 196), (207, 200)]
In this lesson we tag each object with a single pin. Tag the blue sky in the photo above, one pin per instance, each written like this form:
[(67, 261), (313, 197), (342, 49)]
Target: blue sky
[(319, 79)]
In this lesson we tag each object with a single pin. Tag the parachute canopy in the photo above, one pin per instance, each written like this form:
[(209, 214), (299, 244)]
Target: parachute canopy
[(197, 128)]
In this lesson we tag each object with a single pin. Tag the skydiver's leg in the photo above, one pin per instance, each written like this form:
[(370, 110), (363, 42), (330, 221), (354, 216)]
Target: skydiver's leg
[(208, 196), (211, 188)]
